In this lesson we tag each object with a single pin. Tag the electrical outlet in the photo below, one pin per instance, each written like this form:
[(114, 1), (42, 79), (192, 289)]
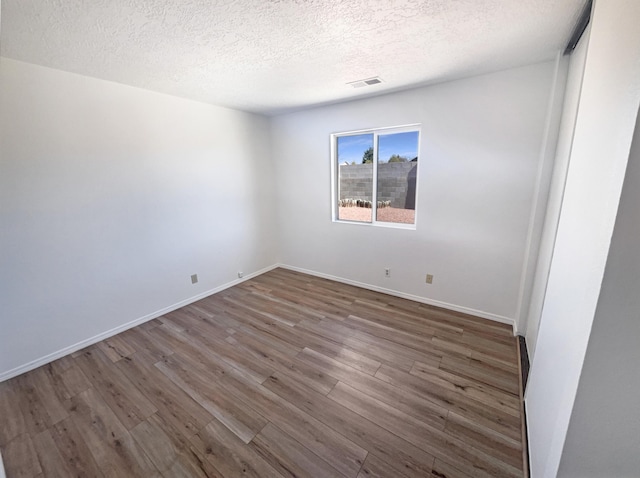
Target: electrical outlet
[(429, 279), (387, 272), (240, 275), (194, 279)]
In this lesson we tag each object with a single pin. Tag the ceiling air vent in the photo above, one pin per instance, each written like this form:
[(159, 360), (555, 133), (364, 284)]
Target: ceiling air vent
[(368, 82)]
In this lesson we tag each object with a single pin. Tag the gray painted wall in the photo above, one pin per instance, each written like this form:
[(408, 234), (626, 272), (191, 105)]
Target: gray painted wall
[(604, 431)]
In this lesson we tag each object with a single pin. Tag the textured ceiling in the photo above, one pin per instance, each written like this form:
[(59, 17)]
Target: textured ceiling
[(270, 56)]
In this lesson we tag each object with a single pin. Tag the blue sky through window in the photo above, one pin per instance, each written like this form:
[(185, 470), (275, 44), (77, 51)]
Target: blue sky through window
[(352, 148), (402, 144)]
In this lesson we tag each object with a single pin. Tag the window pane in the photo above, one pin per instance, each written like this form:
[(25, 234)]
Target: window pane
[(355, 177), (397, 172)]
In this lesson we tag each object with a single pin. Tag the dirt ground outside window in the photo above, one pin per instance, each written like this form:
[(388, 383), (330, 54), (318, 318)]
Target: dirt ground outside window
[(386, 214)]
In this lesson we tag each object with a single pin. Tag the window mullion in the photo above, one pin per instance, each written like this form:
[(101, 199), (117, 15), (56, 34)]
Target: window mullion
[(335, 181), (374, 186)]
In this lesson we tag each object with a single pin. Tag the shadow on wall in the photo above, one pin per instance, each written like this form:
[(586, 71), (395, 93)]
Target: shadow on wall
[(410, 201)]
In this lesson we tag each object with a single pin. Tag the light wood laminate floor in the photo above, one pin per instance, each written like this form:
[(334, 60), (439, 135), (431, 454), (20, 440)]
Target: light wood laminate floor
[(285, 375)]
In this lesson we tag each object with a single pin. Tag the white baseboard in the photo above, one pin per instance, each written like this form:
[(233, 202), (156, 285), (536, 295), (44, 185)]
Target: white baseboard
[(121, 328), (403, 295), (110, 333), (2, 475)]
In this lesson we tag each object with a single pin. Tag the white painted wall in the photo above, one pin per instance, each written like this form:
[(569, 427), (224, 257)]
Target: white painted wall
[(111, 197), (607, 111), (480, 152), (2, 474), (576, 62), (549, 142), (604, 431)]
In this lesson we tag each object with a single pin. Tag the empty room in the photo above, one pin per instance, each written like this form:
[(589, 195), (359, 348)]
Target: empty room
[(260, 238)]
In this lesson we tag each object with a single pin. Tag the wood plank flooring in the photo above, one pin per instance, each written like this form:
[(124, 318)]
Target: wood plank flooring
[(284, 375)]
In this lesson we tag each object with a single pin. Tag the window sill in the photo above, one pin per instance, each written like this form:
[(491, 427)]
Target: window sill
[(390, 225)]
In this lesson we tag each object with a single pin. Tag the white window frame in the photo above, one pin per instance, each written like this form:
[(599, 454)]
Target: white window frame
[(335, 172)]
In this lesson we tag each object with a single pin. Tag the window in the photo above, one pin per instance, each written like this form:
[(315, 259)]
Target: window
[(375, 176)]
